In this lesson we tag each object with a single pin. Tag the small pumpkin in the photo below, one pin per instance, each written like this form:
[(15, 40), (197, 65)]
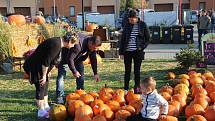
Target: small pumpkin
[(132, 97), (83, 118), (137, 104), (94, 94), (72, 96), (184, 81), (184, 76), (180, 98), (181, 87), (99, 118), (108, 114), (128, 108), (166, 88), (95, 102), (122, 114), (84, 110), (198, 90), (114, 105), (194, 109), (166, 95), (196, 118), (119, 97), (90, 27), (208, 75), (80, 92), (73, 106), (169, 118), (201, 95), (173, 111), (212, 96), (105, 97), (201, 101), (99, 108), (210, 87), (177, 105), (171, 75), (209, 113), (58, 112), (87, 99), (18, 20), (40, 20), (106, 90), (196, 80)]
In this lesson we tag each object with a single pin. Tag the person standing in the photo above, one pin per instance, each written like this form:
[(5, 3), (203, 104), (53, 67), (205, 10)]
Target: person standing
[(40, 63), (135, 38), (203, 24), (75, 57)]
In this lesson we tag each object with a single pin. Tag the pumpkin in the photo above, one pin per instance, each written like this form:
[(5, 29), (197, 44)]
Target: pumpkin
[(132, 97), (87, 61), (95, 102), (128, 108), (122, 114), (73, 106), (108, 114), (106, 90), (80, 92), (176, 104), (184, 76), (58, 112), (196, 118), (72, 96), (210, 87), (87, 99), (18, 20), (196, 80), (212, 96), (99, 118), (184, 81), (201, 101), (209, 113), (84, 110), (114, 105), (99, 108), (173, 111), (40, 20), (83, 118), (194, 109), (198, 90), (137, 104), (94, 94), (120, 92), (180, 98), (201, 95), (191, 73), (119, 120), (90, 27), (181, 87), (166, 95), (105, 97), (208, 75), (166, 88), (119, 97), (171, 75), (169, 118)]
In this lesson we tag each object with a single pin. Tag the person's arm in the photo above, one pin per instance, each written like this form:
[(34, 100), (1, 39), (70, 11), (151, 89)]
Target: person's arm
[(93, 61), (162, 102), (73, 52), (122, 42), (44, 75)]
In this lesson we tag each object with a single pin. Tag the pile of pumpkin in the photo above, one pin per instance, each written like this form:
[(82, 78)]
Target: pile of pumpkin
[(106, 105), (201, 99)]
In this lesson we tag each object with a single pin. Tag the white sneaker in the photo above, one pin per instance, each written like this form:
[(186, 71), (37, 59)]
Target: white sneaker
[(47, 107), (42, 113)]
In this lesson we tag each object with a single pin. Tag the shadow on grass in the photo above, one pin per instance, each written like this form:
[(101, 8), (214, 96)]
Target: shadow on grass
[(15, 75)]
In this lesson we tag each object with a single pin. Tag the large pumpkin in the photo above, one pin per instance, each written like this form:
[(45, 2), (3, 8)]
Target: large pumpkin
[(138, 104), (106, 90), (122, 114), (212, 96), (196, 80), (73, 106), (210, 87), (177, 105), (197, 90), (114, 105), (184, 76), (180, 98), (132, 97), (171, 75), (105, 97), (84, 110), (209, 113), (99, 108), (99, 118), (72, 96), (91, 27), (58, 112), (80, 92), (40, 20), (208, 75), (173, 111), (87, 99), (94, 94), (194, 109), (196, 118), (119, 97), (18, 20), (95, 102), (184, 81), (83, 117), (166, 95), (108, 114), (129, 108), (181, 87), (201, 95), (169, 118), (201, 101), (166, 88)]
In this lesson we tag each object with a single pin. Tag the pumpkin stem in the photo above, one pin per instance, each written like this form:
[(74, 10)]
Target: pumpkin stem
[(105, 85)]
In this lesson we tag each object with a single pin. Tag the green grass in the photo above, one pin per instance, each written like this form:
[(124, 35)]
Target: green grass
[(17, 102)]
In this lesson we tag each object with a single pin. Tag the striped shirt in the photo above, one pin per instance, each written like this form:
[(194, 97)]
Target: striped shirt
[(151, 106), (132, 46)]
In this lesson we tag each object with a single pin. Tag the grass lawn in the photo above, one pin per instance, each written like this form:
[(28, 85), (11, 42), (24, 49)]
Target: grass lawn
[(17, 102)]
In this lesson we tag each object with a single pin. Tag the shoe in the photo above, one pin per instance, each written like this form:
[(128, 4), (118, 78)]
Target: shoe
[(47, 107), (42, 113)]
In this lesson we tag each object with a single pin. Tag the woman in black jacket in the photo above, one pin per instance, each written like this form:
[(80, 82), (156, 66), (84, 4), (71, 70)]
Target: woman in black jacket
[(40, 63), (135, 38)]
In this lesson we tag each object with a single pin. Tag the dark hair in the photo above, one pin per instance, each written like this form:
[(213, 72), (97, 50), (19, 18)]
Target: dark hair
[(96, 40), (147, 81), (70, 37), (132, 13)]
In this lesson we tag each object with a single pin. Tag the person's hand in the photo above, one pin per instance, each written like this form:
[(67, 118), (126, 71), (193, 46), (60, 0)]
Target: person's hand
[(77, 74), (97, 78), (43, 81), (163, 117), (121, 56)]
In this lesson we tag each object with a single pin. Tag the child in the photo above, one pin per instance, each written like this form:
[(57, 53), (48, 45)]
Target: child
[(152, 102)]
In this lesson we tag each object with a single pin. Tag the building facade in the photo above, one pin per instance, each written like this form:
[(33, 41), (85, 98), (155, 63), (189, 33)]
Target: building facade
[(202, 4)]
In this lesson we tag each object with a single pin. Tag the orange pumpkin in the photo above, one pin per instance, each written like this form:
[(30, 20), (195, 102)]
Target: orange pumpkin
[(91, 27), (199, 90), (40, 20), (179, 98), (210, 87), (181, 87), (95, 102), (108, 114), (201, 95), (58, 112), (72, 96), (87, 99), (73, 106), (209, 113), (184, 81), (171, 75), (191, 73), (132, 97), (201, 101), (128, 108), (173, 111), (169, 118), (194, 109), (106, 90), (208, 75), (18, 20), (122, 114), (184, 76), (212, 96), (120, 92), (196, 118), (166, 95), (137, 105), (166, 88), (176, 104), (105, 97), (119, 97), (114, 105), (83, 118), (196, 80), (99, 108), (84, 110), (80, 92), (99, 118), (94, 94)]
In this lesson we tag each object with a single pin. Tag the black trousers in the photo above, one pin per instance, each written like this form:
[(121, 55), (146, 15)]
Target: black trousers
[(201, 32), (137, 57), (41, 91), (138, 117)]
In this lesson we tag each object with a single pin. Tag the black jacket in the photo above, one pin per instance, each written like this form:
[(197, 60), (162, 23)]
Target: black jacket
[(142, 39)]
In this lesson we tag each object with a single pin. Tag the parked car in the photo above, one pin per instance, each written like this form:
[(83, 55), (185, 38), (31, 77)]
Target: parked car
[(194, 16)]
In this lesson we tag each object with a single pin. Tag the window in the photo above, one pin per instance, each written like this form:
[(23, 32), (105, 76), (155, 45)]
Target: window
[(72, 10), (87, 9), (202, 5)]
